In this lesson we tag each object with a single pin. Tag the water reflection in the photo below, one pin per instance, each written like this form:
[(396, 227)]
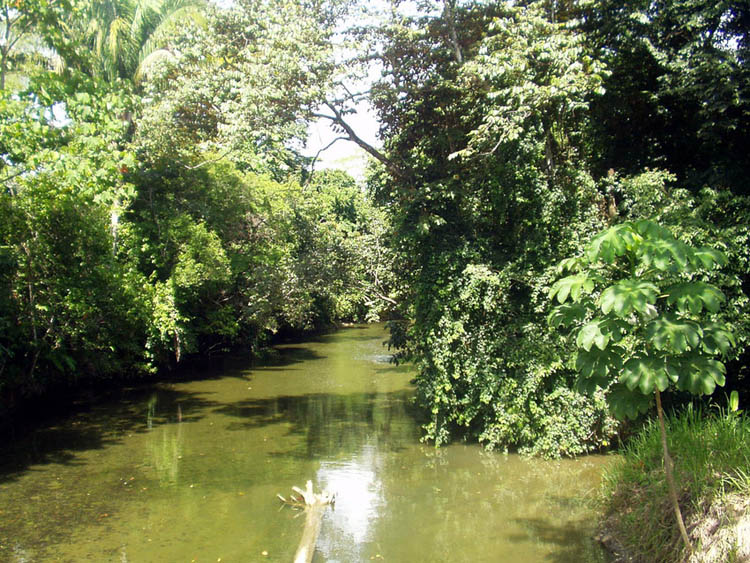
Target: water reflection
[(360, 499), (190, 471), (166, 453)]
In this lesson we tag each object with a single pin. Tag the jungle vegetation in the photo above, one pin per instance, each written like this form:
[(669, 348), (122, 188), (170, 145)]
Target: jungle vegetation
[(155, 202)]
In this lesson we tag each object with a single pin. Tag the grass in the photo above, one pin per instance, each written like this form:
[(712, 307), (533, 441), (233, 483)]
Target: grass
[(711, 451)]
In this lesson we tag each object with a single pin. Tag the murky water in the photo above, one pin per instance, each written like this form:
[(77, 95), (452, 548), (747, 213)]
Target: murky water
[(189, 472)]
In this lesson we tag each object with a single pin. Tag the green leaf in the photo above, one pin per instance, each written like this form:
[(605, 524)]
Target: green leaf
[(566, 315), (664, 254), (613, 242), (694, 296), (700, 375), (670, 333), (600, 332), (572, 286), (707, 258), (627, 296), (596, 363), (570, 265), (734, 401), (717, 339), (625, 403), (647, 374), (589, 386), (651, 230)]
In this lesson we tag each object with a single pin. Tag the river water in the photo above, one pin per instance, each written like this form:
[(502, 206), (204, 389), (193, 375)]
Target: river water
[(189, 471)]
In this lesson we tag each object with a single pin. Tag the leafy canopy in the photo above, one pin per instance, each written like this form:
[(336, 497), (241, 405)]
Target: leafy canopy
[(643, 315)]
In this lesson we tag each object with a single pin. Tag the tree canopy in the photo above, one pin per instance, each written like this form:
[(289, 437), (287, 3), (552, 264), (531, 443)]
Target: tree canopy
[(156, 201)]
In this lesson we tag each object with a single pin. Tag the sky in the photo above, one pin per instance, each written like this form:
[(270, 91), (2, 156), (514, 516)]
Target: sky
[(345, 155)]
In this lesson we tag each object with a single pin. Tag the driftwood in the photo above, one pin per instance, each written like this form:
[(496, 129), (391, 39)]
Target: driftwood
[(314, 505)]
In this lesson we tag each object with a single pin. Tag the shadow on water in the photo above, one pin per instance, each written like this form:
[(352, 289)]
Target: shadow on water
[(566, 537), (234, 365), (100, 426)]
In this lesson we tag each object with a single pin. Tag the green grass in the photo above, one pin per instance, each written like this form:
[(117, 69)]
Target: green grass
[(712, 459)]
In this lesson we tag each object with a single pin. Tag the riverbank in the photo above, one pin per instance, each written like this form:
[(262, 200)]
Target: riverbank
[(712, 469), (20, 412)]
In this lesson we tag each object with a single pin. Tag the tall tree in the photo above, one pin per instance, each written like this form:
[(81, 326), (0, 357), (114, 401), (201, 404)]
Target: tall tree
[(489, 191), (123, 36), (26, 27), (678, 96)]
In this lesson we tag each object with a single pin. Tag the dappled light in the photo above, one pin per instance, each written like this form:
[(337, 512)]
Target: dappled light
[(207, 205)]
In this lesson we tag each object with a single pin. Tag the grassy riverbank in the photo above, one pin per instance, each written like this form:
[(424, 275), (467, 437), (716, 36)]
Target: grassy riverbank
[(712, 469)]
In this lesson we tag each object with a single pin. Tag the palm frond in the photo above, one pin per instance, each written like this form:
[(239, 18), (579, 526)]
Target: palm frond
[(167, 25), (148, 64)]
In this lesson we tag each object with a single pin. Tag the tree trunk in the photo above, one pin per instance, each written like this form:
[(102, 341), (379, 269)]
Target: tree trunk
[(449, 14), (670, 476), (314, 505)]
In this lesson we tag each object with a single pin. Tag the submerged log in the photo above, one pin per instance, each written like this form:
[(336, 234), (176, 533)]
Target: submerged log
[(314, 506)]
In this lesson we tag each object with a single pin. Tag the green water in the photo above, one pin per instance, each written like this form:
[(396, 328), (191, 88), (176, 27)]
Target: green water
[(189, 472)]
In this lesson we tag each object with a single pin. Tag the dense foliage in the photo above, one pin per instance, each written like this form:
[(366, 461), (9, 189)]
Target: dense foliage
[(509, 143), (155, 203), (128, 242)]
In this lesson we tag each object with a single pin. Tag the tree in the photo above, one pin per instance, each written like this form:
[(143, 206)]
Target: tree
[(123, 37), (13, 29), (677, 97), (25, 27), (242, 86), (641, 309), (489, 190), (67, 300)]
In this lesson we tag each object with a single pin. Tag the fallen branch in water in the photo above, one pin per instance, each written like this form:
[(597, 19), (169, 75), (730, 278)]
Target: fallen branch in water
[(314, 505)]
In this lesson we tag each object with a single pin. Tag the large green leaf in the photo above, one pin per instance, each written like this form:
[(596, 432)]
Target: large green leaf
[(700, 375), (646, 374), (572, 286), (600, 332), (589, 386), (705, 257), (629, 295), (651, 230), (665, 254), (596, 363), (571, 264), (625, 403), (566, 315), (695, 296), (672, 334), (717, 339), (613, 242)]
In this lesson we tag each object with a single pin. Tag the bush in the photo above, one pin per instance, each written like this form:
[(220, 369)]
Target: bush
[(500, 379)]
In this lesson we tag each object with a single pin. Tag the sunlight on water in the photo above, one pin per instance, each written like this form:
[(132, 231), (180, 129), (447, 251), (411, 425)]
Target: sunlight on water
[(189, 471)]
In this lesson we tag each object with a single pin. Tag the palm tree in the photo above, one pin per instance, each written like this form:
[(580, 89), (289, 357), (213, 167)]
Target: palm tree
[(125, 36), (21, 47)]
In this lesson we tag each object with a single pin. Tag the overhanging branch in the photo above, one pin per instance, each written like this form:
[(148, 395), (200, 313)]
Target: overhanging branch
[(338, 119), (317, 154)]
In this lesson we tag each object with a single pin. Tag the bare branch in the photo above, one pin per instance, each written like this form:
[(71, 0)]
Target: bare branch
[(11, 176), (317, 154), (338, 119), (222, 156)]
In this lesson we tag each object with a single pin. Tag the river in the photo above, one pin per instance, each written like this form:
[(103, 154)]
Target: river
[(189, 471)]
